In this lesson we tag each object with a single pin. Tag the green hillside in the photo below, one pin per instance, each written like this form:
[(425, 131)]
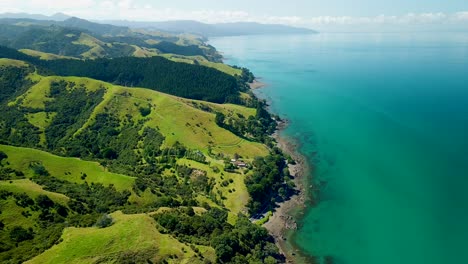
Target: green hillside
[(156, 73), (83, 39), (94, 172), (138, 241)]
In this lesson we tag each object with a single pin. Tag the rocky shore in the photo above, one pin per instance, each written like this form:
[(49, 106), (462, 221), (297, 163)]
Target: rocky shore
[(283, 222)]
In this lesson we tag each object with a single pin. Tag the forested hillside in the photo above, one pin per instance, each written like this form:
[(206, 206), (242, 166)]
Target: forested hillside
[(83, 39), (96, 172), (157, 73)]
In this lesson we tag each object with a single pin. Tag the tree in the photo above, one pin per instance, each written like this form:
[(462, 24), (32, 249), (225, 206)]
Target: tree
[(219, 119), (105, 221), (3, 156), (109, 153), (44, 202), (19, 234)]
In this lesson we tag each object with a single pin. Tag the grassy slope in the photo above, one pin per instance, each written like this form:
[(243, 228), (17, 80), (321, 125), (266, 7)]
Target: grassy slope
[(11, 212), (136, 233), (237, 198), (12, 63), (32, 189), (20, 159), (202, 61), (96, 50), (178, 120), (44, 55), (144, 52)]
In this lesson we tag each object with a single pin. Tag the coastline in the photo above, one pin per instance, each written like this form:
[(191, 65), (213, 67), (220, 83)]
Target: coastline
[(283, 222), (257, 84)]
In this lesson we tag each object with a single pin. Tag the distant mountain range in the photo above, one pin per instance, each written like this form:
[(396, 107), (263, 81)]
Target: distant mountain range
[(55, 17), (214, 30), (179, 26)]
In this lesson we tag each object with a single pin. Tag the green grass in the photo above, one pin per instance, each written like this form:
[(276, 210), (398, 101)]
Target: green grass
[(32, 189), (178, 120), (36, 96), (237, 199), (41, 120), (129, 233), (44, 55), (144, 52), (96, 50), (12, 63), (264, 219), (202, 61), (21, 158), (11, 214)]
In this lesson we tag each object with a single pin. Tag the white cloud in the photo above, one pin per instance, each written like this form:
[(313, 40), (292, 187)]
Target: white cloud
[(131, 10), (59, 4)]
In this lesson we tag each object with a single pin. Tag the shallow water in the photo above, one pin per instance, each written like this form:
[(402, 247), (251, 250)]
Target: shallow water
[(384, 120)]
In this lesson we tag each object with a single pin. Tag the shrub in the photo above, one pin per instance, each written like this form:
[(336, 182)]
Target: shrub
[(19, 234), (3, 156), (145, 111), (105, 221), (39, 169)]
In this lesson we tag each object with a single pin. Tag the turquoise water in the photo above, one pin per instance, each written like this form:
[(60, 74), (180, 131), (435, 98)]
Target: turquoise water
[(384, 120)]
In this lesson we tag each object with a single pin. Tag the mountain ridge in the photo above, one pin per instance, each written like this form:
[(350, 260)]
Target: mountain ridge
[(213, 30), (178, 26), (55, 17)]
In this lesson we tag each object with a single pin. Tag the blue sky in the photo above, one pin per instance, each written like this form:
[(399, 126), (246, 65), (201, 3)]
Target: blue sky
[(333, 15)]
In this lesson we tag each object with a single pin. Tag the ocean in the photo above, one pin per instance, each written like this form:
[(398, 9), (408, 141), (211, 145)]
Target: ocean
[(383, 120)]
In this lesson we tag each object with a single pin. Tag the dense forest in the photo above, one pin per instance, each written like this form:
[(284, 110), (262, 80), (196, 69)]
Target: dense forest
[(157, 73)]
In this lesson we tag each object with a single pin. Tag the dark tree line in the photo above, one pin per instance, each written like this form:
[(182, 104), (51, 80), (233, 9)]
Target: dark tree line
[(156, 73)]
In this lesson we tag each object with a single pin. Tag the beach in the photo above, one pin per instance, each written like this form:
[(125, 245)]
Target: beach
[(256, 84)]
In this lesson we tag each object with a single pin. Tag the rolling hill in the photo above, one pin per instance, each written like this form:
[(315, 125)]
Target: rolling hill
[(95, 172), (83, 39)]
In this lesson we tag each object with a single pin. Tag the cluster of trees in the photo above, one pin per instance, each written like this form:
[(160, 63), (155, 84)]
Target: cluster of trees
[(73, 107), (86, 198), (244, 242), (21, 242), (179, 189), (58, 41), (15, 128), (270, 182), (257, 128)]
